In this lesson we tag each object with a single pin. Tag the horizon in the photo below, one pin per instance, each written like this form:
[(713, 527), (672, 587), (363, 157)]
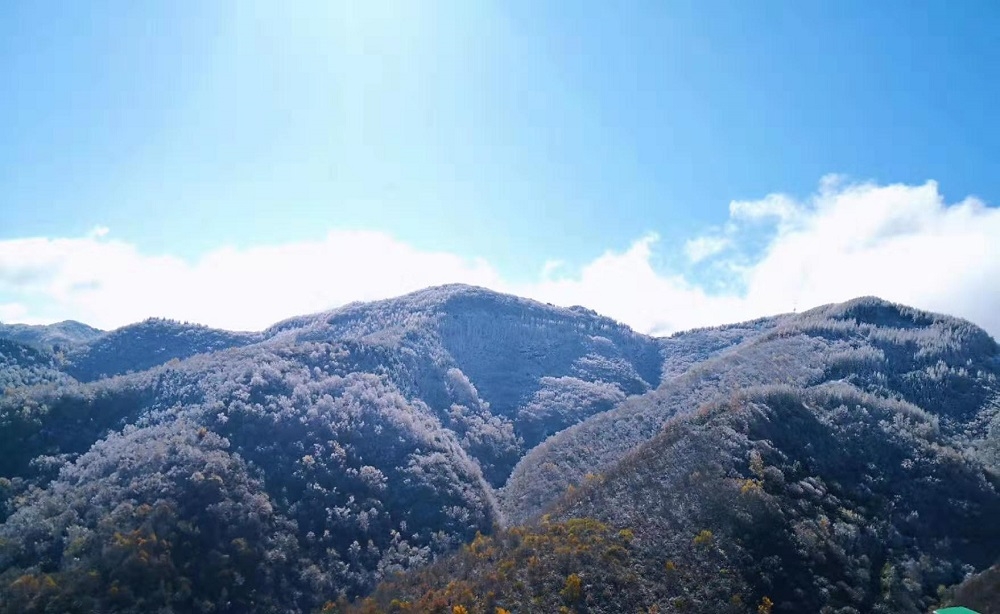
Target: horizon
[(238, 164)]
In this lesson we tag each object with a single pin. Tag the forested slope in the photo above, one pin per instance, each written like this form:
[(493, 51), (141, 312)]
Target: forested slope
[(840, 460), (22, 365), (355, 435), (944, 365), (826, 500)]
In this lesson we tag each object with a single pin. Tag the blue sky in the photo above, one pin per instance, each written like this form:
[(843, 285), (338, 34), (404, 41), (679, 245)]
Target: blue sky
[(503, 135)]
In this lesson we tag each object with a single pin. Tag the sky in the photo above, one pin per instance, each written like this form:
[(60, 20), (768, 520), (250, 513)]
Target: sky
[(668, 164)]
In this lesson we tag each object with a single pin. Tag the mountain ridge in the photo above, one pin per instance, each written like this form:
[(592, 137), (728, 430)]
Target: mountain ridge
[(378, 437)]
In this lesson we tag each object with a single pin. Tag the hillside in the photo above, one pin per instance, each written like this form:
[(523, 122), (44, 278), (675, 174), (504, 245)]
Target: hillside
[(358, 428), (827, 500), (147, 344), (52, 336), (22, 365), (944, 365), (501, 371), (844, 459)]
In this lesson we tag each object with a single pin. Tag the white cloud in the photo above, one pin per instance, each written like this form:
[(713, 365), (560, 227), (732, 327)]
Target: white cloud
[(701, 248), (626, 286), (903, 243), (900, 242), (108, 283), (776, 206)]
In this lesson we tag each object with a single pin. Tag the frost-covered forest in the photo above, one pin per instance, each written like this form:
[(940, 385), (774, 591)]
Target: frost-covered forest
[(459, 450)]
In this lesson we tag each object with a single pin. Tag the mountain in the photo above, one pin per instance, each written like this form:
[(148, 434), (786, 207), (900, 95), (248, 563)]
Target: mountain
[(944, 365), (503, 343), (826, 500), (147, 344), (358, 428), (60, 335), (844, 460), (502, 372)]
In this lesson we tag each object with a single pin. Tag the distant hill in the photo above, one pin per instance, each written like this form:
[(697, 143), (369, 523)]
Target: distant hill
[(153, 342), (846, 459), (51, 336)]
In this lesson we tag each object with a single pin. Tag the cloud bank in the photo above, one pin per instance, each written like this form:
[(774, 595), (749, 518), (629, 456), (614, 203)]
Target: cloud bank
[(904, 243)]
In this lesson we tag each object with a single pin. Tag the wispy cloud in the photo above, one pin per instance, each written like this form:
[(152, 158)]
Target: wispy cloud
[(775, 206), (700, 248), (901, 242)]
